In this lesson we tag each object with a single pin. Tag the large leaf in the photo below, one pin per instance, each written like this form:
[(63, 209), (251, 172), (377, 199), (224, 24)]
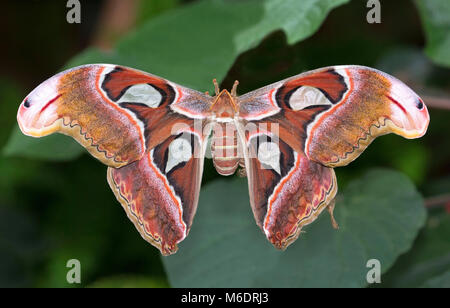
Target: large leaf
[(55, 147), (379, 216), (198, 42), (441, 281), (435, 15), (427, 260)]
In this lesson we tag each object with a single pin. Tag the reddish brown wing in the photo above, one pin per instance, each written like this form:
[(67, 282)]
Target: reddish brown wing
[(159, 193), (287, 190), (316, 120), (332, 114), (115, 112), (139, 122)]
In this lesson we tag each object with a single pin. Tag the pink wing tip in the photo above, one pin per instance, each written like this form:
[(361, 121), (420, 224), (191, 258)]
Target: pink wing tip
[(409, 112), (37, 112)]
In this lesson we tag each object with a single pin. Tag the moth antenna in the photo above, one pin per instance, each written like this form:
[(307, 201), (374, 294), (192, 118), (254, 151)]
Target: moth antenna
[(234, 88), (216, 86)]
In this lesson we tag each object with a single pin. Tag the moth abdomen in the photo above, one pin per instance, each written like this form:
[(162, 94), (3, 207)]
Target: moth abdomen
[(225, 149)]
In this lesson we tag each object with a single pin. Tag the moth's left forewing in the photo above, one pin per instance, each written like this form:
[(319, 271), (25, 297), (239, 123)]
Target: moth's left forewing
[(117, 113)]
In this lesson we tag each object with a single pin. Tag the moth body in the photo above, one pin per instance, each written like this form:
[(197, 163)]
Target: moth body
[(225, 149)]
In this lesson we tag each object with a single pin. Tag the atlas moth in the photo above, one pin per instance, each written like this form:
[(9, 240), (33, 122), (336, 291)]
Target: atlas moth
[(287, 137)]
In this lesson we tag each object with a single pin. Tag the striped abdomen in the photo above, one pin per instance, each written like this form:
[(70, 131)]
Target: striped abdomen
[(224, 148)]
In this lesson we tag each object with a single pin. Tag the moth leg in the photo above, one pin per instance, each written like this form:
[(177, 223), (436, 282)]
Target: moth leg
[(330, 208), (242, 172), (234, 88), (216, 86)]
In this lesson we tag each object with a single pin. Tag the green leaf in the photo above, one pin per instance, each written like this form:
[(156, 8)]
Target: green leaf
[(55, 147), (429, 257), (21, 244), (149, 9), (10, 96), (441, 281), (298, 19), (379, 216), (435, 15), (195, 43)]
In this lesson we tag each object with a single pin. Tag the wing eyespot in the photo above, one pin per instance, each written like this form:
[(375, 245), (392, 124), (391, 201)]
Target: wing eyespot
[(420, 104)]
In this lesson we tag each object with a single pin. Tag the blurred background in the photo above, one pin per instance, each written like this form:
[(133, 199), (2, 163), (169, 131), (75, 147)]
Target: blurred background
[(55, 203)]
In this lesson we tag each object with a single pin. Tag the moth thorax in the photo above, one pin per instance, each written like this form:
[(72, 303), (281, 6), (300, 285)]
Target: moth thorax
[(224, 148), (224, 105)]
